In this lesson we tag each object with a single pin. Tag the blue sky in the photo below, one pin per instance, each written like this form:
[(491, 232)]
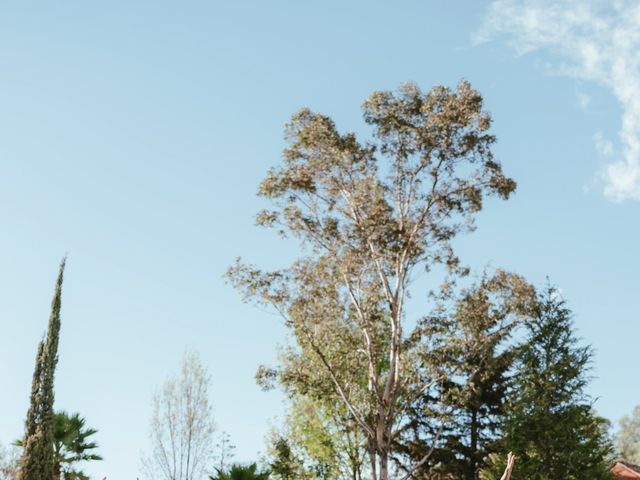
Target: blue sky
[(133, 136)]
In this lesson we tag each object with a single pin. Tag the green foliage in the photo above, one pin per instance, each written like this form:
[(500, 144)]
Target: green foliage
[(495, 465), (38, 455), (550, 424), (71, 444), (473, 348), (368, 214), (628, 437), (309, 431), (242, 472), (322, 438), (285, 465)]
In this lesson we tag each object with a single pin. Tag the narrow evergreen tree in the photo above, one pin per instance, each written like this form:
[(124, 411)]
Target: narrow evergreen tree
[(38, 456), (550, 424)]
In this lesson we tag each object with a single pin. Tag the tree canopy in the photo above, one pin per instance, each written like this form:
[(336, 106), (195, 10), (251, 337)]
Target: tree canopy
[(368, 214), (549, 421)]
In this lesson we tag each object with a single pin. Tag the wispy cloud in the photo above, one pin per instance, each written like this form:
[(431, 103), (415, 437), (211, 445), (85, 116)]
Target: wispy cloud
[(596, 41), (584, 100)]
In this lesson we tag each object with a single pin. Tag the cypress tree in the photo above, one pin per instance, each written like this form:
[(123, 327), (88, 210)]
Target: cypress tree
[(37, 460)]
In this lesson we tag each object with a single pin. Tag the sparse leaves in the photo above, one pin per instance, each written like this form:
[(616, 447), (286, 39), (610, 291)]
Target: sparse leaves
[(367, 214), (181, 425), (628, 437)]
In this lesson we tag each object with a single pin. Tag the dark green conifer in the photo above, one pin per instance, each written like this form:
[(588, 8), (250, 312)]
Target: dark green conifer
[(550, 424), (474, 351), (476, 394), (38, 460)]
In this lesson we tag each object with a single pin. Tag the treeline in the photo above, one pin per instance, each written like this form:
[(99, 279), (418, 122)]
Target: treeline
[(486, 368), (507, 373), (375, 390)]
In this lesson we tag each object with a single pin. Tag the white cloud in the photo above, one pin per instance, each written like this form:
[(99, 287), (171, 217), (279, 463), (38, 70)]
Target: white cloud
[(604, 146), (596, 41)]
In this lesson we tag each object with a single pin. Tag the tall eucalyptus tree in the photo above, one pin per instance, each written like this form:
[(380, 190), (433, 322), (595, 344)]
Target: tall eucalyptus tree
[(370, 215)]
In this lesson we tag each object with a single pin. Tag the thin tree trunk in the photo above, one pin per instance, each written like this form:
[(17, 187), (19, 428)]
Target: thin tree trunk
[(189, 451), (372, 459), (474, 446), (383, 460)]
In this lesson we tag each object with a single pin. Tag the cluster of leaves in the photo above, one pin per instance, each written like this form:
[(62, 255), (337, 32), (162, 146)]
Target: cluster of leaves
[(241, 472), (71, 445), (367, 215), (549, 420), (628, 437), (432, 401), (513, 378), (471, 348), (38, 457), (318, 440)]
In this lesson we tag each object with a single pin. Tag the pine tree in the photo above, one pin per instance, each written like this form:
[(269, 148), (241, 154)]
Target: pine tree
[(550, 424), (477, 351), (485, 319), (38, 456)]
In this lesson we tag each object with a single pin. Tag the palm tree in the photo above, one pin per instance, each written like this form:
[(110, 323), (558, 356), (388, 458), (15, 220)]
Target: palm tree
[(242, 472), (71, 445)]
